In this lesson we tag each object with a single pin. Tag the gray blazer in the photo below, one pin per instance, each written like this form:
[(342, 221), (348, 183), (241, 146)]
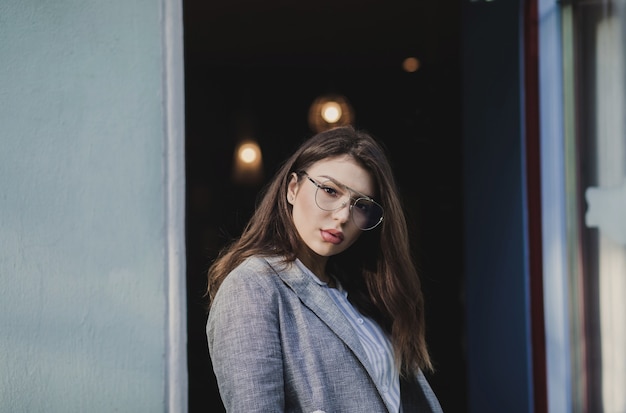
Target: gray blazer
[(279, 343)]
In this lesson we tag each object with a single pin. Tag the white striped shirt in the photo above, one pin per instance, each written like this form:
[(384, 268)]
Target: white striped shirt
[(375, 342)]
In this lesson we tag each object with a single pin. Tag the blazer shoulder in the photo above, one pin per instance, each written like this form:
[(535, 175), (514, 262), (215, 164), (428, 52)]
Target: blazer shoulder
[(256, 270), (259, 265)]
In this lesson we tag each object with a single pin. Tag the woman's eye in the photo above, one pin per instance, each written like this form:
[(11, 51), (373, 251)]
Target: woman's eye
[(361, 206), (330, 191)]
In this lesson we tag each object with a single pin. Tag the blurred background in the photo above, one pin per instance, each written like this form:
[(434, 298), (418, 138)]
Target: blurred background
[(253, 70)]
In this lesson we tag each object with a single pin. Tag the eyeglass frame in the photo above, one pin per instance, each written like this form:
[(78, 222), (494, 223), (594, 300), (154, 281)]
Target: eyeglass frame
[(352, 202)]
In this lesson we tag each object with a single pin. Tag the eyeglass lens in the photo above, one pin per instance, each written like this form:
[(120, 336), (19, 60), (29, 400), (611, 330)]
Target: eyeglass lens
[(366, 213)]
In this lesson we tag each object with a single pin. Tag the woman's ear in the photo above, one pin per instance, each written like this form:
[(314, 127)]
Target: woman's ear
[(292, 188)]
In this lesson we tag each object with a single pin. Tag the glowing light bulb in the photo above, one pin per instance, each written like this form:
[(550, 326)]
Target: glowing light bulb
[(411, 64), (248, 165), (331, 112), (248, 153)]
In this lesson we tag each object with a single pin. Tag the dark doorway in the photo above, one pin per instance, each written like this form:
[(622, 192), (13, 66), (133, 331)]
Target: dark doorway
[(253, 68)]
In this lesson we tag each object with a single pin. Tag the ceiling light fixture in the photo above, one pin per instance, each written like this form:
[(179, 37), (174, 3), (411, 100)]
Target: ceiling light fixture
[(330, 111)]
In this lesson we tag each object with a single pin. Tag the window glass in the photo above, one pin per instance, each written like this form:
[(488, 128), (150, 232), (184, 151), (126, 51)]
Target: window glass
[(597, 205)]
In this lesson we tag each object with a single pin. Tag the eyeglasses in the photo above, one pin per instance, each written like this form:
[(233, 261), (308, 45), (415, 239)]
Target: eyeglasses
[(330, 196)]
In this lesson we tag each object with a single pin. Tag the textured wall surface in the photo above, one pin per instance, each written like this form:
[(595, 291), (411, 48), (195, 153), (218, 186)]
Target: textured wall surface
[(83, 263)]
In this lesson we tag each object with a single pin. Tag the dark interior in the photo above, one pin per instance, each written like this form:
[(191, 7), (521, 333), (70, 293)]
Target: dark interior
[(253, 69)]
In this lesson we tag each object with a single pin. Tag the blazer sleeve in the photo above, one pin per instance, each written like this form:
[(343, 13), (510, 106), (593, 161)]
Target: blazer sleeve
[(244, 345)]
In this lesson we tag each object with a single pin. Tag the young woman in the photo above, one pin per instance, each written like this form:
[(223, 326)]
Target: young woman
[(317, 307)]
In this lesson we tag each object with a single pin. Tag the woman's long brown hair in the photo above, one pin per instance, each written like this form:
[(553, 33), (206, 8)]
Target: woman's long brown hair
[(378, 271)]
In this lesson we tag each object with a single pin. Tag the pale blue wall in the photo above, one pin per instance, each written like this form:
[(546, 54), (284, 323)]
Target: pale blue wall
[(84, 215)]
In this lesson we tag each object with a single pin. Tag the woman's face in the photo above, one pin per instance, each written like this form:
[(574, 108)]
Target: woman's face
[(327, 233)]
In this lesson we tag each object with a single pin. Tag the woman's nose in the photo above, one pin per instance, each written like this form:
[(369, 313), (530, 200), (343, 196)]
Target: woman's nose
[(343, 212)]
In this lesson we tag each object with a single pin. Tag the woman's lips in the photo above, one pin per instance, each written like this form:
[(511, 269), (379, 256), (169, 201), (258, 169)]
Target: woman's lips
[(332, 236)]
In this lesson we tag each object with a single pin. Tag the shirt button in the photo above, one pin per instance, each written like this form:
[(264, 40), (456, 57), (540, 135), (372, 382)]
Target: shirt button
[(384, 389), (359, 320)]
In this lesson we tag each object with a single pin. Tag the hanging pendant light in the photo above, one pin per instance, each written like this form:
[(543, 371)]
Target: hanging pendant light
[(330, 111)]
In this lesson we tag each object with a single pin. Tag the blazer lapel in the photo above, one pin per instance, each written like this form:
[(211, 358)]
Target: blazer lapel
[(317, 299)]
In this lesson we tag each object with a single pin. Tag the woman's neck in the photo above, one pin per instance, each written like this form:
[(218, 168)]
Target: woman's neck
[(317, 265)]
